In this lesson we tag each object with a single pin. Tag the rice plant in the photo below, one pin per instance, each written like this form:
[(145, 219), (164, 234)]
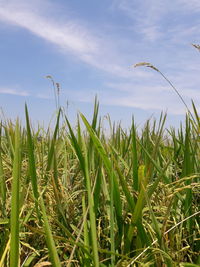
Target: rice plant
[(77, 197)]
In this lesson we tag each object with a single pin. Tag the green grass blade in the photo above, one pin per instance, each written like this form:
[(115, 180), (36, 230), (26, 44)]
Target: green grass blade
[(188, 169), (14, 220), (76, 146), (51, 150), (32, 166), (49, 237), (112, 233), (135, 158), (2, 184), (83, 159), (91, 211), (124, 185), (86, 235), (108, 166)]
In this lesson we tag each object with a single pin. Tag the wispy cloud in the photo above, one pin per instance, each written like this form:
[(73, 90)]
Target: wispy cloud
[(192, 5), (146, 16), (157, 20), (44, 96), (154, 98), (69, 36), (9, 91), (91, 46), (144, 97), (157, 97)]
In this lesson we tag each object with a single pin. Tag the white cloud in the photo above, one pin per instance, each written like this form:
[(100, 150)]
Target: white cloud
[(146, 16), (149, 18), (156, 97), (44, 96), (130, 87), (156, 20), (9, 91), (69, 36), (191, 5), (147, 102)]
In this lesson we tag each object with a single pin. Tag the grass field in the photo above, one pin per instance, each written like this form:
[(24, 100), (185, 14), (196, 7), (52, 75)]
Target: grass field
[(79, 197)]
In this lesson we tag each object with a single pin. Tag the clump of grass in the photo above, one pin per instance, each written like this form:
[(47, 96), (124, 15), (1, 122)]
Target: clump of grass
[(80, 198)]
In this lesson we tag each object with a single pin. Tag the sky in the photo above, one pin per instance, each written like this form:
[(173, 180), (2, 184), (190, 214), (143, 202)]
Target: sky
[(89, 47)]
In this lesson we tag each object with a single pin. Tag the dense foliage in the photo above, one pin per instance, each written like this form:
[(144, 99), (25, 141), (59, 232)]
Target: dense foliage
[(80, 197)]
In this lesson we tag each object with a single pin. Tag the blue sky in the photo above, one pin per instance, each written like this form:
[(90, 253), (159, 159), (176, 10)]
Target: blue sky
[(88, 47)]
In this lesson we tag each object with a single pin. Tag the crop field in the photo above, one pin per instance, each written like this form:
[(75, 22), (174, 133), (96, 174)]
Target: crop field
[(79, 197)]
